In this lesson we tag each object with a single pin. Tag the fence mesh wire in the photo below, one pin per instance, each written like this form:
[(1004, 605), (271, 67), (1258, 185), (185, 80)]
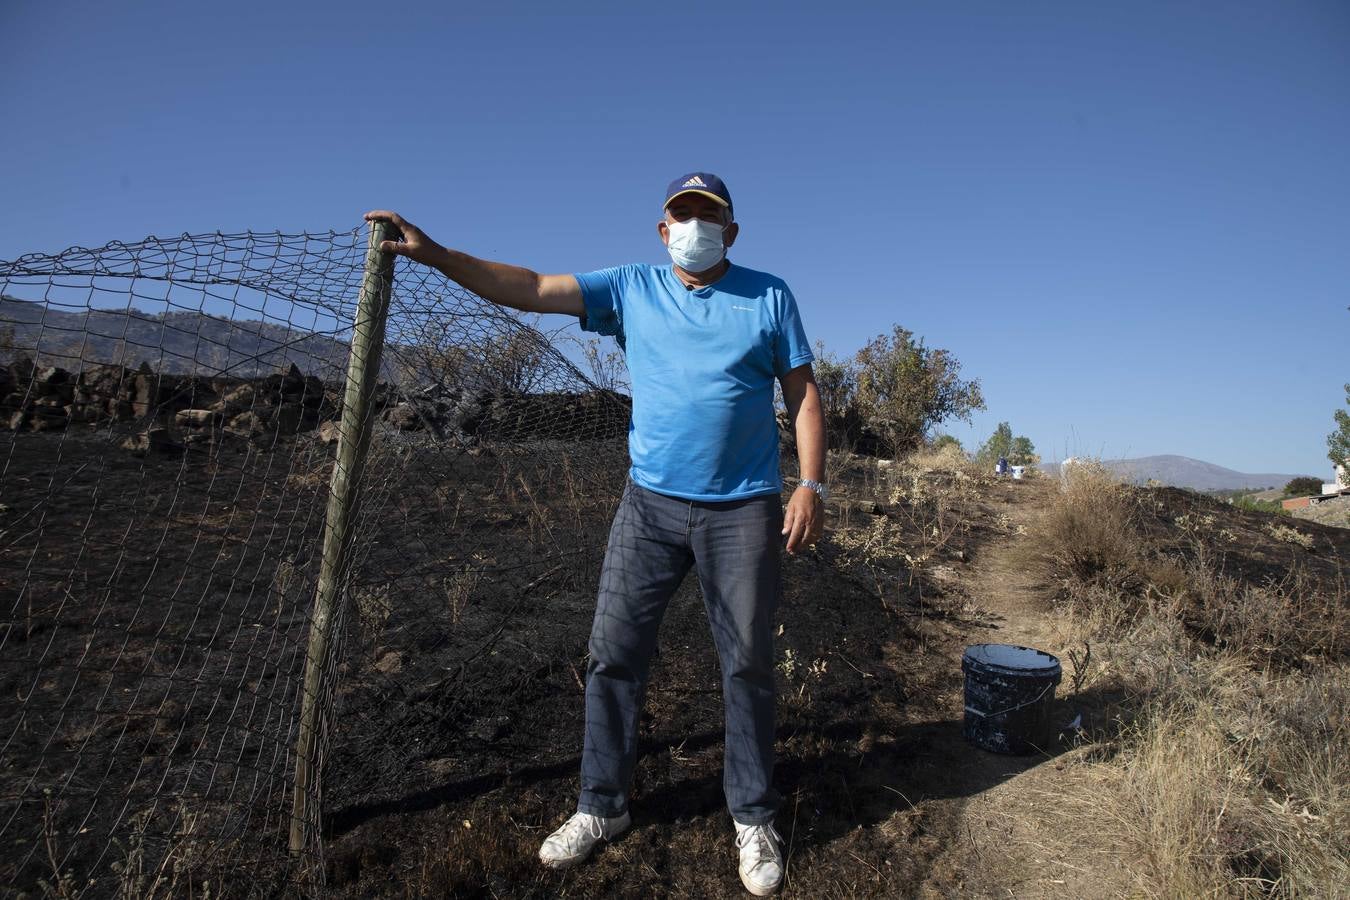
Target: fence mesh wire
[(172, 409)]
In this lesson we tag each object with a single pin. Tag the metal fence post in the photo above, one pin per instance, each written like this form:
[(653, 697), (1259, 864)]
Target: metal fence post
[(363, 372)]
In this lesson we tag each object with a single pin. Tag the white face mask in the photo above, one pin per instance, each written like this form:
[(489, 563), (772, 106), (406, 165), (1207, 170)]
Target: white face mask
[(696, 245)]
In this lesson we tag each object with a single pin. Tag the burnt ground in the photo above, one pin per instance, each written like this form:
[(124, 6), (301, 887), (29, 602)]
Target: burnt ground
[(883, 796), (871, 760), (155, 612)]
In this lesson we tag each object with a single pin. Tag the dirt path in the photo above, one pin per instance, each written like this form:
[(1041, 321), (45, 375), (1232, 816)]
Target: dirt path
[(1009, 840)]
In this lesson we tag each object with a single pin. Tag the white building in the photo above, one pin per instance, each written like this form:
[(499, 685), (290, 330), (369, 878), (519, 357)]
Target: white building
[(1342, 482)]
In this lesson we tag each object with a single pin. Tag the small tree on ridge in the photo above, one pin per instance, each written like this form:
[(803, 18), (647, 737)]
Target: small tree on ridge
[(903, 388)]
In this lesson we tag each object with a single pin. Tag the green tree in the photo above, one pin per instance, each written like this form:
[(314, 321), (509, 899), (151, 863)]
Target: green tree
[(1023, 452), (1019, 450), (1304, 484), (947, 440), (837, 382), (903, 389), (1338, 442), (999, 444)]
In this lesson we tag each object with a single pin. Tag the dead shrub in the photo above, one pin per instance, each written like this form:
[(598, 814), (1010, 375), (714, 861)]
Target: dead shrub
[(1227, 780), (373, 608), (1231, 770), (1092, 546), (156, 864), (1230, 777), (1090, 534), (1287, 622), (941, 458), (460, 586)]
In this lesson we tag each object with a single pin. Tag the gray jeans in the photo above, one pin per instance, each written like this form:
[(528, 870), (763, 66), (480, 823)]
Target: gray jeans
[(654, 541)]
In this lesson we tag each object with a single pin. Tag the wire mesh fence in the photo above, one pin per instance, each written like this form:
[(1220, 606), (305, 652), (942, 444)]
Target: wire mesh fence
[(173, 410)]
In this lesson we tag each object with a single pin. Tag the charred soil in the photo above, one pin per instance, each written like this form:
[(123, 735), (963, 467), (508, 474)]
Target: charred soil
[(456, 745)]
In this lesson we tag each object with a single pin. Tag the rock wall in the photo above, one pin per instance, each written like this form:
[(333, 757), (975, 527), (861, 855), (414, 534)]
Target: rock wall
[(49, 398)]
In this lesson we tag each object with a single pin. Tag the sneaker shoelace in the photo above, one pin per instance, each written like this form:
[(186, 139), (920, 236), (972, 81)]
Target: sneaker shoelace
[(577, 825), (765, 840)]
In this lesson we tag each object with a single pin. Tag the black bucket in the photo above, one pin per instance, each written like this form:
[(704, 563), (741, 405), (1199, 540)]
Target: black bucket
[(1009, 691)]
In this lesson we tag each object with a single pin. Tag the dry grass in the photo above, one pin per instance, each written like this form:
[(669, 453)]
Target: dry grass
[(1217, 790), (1231, 770), (925, 504), (176, 870), (1090, 534), (946, 458)]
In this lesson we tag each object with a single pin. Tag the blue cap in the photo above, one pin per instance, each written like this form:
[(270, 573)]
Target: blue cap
[(704, 183)]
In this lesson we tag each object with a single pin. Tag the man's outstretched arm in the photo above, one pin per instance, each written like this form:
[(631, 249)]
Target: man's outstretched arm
[(504, 285)]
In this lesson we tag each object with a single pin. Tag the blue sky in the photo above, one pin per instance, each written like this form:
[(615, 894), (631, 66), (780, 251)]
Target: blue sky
[(1130, 221)]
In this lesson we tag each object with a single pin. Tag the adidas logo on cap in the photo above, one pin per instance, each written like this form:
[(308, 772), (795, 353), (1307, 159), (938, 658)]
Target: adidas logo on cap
[(700, 182)]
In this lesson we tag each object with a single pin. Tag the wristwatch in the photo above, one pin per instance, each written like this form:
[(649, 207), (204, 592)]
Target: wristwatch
[(821, 490)]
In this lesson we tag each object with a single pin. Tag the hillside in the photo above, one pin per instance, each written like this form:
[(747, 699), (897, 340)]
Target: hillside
[(462, 693), (177, 343), (1184, 472)]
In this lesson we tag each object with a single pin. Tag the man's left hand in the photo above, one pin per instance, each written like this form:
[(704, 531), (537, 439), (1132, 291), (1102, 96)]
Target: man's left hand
[(804, 519)]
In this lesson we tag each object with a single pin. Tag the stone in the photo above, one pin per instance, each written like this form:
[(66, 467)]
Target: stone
[(153, 441), (189, 393), (78, 414), (21, 369), (291, 383), (313, 391), (242, 397), (404, 417), (143, 392), (103, 379), (288, 418), (247, 424), (48, 418), (63, 392), (196, 418), (330, 432)]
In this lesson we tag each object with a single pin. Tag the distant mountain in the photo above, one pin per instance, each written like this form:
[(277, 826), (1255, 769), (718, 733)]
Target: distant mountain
[(1182, 471), (489, 356), (180, 343)]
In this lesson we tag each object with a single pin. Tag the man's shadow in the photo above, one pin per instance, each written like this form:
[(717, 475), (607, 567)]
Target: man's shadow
[(832, 792), (866, 773)]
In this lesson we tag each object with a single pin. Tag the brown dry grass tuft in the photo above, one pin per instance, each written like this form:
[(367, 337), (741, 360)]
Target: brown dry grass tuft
[(1091, 534), (1231, 770), (1218, 790)]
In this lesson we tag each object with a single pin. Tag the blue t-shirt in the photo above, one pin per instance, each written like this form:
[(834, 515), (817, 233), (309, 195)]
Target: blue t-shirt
[(702, 364)]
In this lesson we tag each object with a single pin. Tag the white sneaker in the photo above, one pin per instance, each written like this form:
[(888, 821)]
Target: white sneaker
[(761, 858), (578, 836)]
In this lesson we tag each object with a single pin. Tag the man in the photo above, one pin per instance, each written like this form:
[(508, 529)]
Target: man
[(704, 341)]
